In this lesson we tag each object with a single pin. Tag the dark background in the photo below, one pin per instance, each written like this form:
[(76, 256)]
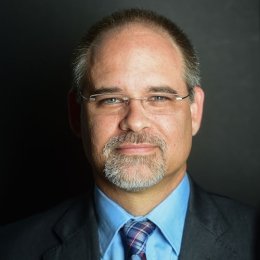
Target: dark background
[(42, 163)]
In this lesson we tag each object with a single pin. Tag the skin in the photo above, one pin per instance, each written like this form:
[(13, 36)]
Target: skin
[(133, 59)]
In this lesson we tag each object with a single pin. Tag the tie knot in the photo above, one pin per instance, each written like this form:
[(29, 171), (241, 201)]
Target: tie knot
[(136, 234)]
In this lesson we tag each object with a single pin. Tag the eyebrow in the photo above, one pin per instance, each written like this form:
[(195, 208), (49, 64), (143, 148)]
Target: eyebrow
[(106, 90), (162, 89), (155, 89)]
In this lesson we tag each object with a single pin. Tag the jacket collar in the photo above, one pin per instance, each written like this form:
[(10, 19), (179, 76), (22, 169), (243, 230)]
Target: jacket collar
[(204, 227), (77, 232), (203, 231)]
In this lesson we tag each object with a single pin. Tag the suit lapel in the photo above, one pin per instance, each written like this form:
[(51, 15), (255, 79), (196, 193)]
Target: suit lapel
[(202, 237), (77, 231), (204, 228)]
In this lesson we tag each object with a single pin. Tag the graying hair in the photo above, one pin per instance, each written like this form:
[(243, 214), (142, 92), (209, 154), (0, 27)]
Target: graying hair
[(116, 164), (83, 53)]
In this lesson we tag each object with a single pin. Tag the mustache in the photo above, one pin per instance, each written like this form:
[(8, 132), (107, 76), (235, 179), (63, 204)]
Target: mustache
[(135, 138)]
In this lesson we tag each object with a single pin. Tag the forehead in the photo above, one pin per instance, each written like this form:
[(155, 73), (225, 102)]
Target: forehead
[(136, 52), (135, 36)]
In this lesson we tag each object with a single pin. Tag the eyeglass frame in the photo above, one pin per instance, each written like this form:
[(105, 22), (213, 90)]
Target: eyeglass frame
[(126, 99)]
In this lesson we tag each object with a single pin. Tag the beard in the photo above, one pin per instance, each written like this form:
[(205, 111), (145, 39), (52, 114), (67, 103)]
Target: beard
[(134, 172)]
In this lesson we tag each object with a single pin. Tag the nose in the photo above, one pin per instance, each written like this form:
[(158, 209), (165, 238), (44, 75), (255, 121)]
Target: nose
[(135, 118)]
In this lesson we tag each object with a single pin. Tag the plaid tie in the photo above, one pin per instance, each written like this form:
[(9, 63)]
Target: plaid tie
[(135, 234)]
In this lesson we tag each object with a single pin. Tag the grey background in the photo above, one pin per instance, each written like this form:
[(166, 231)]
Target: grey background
[(42, 163)]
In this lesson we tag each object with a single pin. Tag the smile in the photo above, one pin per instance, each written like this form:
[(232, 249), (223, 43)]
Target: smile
[(140, 149)]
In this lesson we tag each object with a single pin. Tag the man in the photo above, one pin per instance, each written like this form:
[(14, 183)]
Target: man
[(136, 104)]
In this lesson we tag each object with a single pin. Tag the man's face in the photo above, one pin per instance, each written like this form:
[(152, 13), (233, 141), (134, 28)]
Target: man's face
[(136, 149)]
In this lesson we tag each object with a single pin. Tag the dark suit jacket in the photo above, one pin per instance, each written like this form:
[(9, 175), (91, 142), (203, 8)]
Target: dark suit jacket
[(215, 228)]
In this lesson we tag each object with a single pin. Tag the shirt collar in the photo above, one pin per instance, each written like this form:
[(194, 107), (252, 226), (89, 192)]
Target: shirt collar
[(111, 217), (174, 209)]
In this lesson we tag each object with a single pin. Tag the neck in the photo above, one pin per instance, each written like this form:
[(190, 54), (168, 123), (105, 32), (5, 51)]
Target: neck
[(142, 202)]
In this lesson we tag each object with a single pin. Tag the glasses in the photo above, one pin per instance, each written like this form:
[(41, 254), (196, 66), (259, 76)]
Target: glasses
[(154, 103)]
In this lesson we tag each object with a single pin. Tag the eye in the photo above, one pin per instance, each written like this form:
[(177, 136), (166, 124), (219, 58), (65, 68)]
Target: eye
[(110, 100), (159, 98)]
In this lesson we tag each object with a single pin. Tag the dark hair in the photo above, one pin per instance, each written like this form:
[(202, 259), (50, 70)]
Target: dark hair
[(118, 19)]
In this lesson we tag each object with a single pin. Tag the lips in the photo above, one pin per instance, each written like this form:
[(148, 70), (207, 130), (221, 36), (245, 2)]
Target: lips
[(130, 143), (140, 148)]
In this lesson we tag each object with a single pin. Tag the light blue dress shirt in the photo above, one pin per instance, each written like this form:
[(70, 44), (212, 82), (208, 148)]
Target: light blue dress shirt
[(169, 216)]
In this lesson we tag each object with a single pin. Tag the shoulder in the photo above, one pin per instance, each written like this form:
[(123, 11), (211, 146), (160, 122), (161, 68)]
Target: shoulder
[(230, 209), (35, 232), (226, 226), (229, 206), (233, 211), (223, 215), (240, 218)]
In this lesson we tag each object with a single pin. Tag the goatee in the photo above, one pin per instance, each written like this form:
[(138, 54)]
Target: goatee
[(134, 172)]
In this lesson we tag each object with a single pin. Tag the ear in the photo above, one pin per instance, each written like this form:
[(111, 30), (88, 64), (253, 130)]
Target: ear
[(74, 111), (197, 109)]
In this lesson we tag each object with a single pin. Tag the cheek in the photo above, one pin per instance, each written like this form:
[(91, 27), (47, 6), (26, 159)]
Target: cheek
[(98, 130), (175, 128), (177, 133)]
